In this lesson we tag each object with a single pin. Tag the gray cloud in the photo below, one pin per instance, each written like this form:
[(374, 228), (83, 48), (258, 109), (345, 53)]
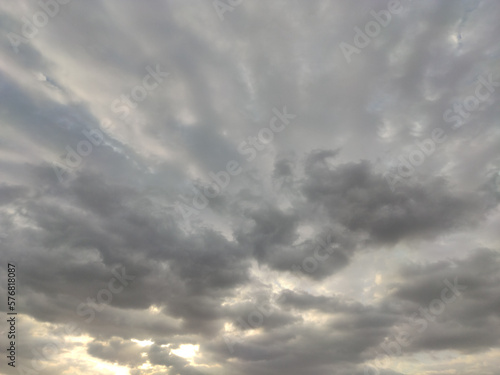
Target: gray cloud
[(76, 209)]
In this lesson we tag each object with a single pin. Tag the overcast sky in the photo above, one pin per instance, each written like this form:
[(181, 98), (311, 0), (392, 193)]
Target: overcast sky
[(251, 187)]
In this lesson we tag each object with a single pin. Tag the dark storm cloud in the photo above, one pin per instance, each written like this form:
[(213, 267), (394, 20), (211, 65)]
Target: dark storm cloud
[(470, 323), (356, 198), (197, 271), (361, 200)]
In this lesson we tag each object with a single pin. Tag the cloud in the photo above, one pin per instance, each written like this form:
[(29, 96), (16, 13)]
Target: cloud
[(309, 235)]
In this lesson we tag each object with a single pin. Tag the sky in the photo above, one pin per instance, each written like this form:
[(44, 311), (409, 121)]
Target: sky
[(239, 187)]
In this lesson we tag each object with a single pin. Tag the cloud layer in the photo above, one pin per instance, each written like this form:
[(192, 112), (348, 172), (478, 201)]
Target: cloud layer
[(167, 217)]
